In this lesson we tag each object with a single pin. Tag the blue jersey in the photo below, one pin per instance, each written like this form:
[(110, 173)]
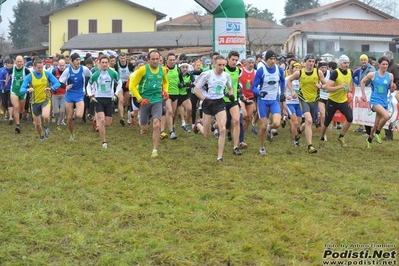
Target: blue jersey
[(380, 90)]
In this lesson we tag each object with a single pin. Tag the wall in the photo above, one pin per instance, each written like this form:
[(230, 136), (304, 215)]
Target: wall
[(133, 20)]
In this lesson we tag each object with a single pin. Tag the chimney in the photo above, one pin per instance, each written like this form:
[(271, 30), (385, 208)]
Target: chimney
[(170, 18)]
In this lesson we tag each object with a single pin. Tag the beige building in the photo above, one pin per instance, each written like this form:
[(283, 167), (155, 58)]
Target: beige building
[(97, 16)]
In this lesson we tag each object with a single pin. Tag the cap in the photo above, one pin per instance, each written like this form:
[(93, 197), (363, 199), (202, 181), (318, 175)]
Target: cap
[(207, 61), (343, 58), (269, 54), (183, 57), (184, 64), (48, 61), (364, 56), (75, 56), (309, 56), (139, 61)]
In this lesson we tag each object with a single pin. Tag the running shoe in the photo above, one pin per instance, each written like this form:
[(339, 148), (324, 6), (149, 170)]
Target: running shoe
[(322, 143), (358, 130), (18, 129), (378, 138), (221, 161), (10, 121), (296, 143), (229, 137), (186, 128), (122, 121), (236, 151), (154, 154), (269, 135), (172, 135), (262, 151), (216, 134), (368, 144), (254, 130), (312, 149), (163, 135), (105, 145), (243, 145), (342, 142), (41, 138), (284, 118), (47, 132), (72, 137)]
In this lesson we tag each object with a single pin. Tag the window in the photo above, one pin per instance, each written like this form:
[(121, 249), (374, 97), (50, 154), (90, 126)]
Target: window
[(392, 47), (92, 26), (365, 48), (116, 25), (72, 28)]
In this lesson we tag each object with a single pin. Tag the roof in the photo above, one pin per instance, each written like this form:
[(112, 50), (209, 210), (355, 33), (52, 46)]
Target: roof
[(167, 39), (45, 17), (207, 21), (351, 26), (338, 4)]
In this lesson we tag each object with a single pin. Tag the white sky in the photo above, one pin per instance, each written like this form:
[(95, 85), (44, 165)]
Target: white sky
[(177, 9)]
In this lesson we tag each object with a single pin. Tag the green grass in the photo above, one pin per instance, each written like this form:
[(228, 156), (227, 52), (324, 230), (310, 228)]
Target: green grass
[(74, 203)]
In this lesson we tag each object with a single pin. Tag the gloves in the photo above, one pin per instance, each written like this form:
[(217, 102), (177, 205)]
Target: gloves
[(282, 98), (115, 98), (262, 94), (231, 97), (165, 95), (207, 103), (144, 102)]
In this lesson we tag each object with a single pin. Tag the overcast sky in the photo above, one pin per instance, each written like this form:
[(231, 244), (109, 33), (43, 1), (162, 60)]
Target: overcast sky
[(179, 8)]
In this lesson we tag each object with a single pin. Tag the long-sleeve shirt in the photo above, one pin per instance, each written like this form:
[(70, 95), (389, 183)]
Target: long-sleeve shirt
[(38, 83), (144, 86), (260, 78)]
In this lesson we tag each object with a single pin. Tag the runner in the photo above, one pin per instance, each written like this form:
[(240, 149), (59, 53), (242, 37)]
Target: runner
[(38, 83)]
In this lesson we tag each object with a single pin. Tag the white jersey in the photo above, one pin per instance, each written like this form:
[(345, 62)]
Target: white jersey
[(123, 72), (216, 84), (323, 93), (270, 83), (295, 87)]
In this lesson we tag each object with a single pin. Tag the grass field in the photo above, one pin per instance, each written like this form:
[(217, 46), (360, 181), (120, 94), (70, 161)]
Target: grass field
[(74, 203)]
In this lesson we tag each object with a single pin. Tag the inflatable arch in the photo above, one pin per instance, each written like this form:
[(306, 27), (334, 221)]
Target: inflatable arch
[(229, 25)]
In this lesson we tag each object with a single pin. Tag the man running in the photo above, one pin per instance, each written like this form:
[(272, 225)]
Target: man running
[(150, 86), (124, 70), (266, 84), (74, 76), (309, 94), (38, 83), (102, 82), (382, 80), (338, 85), (212, 101)]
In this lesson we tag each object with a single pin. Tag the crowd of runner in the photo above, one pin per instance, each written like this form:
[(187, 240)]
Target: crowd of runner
[(215, 96)]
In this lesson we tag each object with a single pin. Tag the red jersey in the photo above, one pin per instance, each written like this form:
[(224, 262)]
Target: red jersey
[(60, 91), (246, 79)]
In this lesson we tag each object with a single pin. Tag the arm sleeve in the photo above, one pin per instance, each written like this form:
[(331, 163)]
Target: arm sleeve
[(282, 80), (165, 81), (136, 81), (257, 81), (25, 84), (53, 80), (355, 77)]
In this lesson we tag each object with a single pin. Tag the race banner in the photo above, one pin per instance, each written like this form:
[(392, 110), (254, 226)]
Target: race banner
[(230, 35), (362, 113)]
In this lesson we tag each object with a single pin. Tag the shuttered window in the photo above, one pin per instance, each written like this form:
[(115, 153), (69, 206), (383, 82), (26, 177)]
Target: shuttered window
[(92, 26), (116, 25), (72, 28)]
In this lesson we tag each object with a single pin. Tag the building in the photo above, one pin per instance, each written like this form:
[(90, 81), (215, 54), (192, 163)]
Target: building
[(91, 17), (346, 26)]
